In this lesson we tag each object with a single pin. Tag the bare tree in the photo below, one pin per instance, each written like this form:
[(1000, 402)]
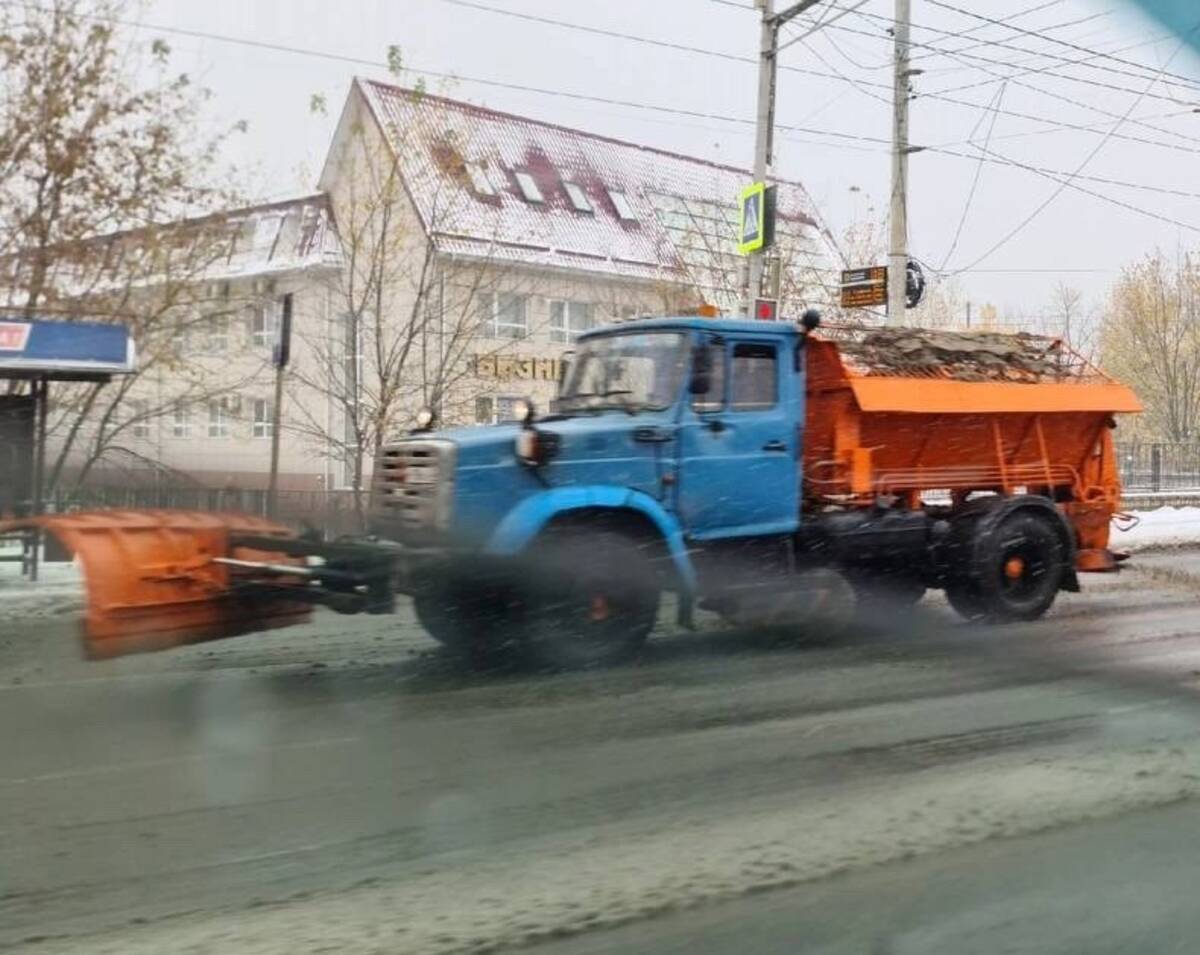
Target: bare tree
[(1070, 319), (91, 160), (408, 325)]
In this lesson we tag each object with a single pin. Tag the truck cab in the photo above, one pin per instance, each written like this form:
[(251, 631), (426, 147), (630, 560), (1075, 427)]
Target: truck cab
[(668, 435)]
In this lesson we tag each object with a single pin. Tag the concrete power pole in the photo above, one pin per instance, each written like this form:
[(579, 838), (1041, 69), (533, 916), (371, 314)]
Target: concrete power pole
[(898, 218), (764, 134)]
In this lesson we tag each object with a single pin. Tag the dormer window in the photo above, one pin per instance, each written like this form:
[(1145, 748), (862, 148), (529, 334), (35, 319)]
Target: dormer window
[(479, 180), (578, 197), (621, 203), (529, 188)]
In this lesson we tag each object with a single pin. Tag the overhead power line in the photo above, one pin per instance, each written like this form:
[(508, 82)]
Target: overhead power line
[(962, 221), (834, 74), (1143, 71), (1069, 182), (847, 140), (1191, 81)]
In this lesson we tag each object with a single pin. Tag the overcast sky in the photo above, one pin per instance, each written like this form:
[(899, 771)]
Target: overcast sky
[(1139, 104)]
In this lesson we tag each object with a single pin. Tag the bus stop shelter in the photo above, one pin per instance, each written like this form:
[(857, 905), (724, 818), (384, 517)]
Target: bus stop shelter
[(40, 353)]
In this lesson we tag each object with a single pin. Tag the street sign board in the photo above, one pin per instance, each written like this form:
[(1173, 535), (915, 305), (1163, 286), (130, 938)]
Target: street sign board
[(756, 229), (864, 288)]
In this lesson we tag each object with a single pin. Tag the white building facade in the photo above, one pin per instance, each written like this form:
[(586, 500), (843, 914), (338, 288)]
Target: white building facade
[(449, 258)]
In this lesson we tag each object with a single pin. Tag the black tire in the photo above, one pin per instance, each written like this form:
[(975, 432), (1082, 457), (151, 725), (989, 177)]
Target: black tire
[(592, 599), (965, 600), (1017, 571), (466, 620)]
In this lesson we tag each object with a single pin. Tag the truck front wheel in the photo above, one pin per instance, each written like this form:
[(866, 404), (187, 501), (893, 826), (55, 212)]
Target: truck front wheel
[(463, 619), (592, 597)]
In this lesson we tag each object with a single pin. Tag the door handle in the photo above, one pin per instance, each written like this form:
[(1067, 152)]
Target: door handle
[(775, 446), (654, 435)]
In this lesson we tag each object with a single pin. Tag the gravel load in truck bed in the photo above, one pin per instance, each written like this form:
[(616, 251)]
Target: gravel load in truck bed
[(963, 356)]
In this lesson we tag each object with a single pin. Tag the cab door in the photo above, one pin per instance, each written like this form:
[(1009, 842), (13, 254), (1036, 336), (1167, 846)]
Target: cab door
[(739, 443)]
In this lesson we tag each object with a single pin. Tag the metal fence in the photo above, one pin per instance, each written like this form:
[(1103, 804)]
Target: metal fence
[(329, 513), (1159, 466)]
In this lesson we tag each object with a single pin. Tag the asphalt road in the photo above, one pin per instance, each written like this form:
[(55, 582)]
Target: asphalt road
[(345, 787), (1058, 893)]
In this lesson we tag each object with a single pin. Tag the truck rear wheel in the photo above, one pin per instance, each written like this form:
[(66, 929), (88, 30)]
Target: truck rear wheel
[(593, 599), (1017, 573)]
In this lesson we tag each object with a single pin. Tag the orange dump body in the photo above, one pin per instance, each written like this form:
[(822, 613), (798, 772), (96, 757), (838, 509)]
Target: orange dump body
[(906, 432), (152, 583)]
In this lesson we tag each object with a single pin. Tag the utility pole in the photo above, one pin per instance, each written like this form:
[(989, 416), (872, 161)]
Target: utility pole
[(764, 135), (898, 218), (280, 358)]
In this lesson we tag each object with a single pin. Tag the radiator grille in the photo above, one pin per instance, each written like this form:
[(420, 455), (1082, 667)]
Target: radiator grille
[(413, 488)]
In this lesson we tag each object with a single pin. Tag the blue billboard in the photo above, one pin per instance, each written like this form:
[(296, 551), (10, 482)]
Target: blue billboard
[(64, 350)]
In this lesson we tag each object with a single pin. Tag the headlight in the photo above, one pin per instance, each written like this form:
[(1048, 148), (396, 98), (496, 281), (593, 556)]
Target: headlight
[(425, 418)]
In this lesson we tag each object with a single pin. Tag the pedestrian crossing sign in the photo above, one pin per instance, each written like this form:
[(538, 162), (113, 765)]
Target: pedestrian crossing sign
[(756, 229)]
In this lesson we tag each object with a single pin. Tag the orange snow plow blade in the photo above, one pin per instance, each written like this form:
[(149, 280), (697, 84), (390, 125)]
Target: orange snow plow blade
[(154, 579)]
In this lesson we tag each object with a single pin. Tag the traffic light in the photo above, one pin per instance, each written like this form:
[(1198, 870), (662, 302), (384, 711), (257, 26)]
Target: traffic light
[(766, 310)]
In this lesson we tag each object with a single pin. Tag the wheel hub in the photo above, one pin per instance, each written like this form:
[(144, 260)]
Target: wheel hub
[(1014, 568), (599, 610)]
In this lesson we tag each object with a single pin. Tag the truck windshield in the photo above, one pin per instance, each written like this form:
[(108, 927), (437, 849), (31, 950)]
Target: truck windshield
[(632, 371)]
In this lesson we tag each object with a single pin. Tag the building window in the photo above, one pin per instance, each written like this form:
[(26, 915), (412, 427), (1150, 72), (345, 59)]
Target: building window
[(568, 319), (621, 203), (218, 420), (216, 334), (497, 409), (264, 418), (578, 197), (140, 423), (529, 188), (264, 324), (181, 422), (506, 315), (506, 407), (754, 378)]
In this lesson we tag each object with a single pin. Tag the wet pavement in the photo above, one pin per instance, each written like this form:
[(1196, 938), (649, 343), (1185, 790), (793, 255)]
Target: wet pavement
[(345, 786)]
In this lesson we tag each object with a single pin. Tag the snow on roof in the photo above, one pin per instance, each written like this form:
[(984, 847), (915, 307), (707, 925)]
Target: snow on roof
[(680, 224), (281, 236), (265, 239)]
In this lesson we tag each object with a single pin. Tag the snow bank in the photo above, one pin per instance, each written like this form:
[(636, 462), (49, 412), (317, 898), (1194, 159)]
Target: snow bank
[(58, 591), (1162, 527)]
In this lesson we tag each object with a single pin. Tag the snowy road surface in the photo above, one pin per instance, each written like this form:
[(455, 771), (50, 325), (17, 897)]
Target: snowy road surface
[(343, 787)]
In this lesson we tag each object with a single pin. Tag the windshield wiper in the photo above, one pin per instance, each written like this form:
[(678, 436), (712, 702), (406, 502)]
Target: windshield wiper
[(627, 406)]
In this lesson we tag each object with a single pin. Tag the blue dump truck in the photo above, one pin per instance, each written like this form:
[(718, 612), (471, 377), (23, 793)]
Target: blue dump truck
[(766, 471)]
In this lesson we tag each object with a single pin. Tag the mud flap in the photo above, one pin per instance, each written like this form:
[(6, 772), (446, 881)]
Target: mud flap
[(152, 583)]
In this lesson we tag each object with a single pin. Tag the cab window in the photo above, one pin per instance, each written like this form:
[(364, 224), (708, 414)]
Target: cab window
[(755, 377)]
